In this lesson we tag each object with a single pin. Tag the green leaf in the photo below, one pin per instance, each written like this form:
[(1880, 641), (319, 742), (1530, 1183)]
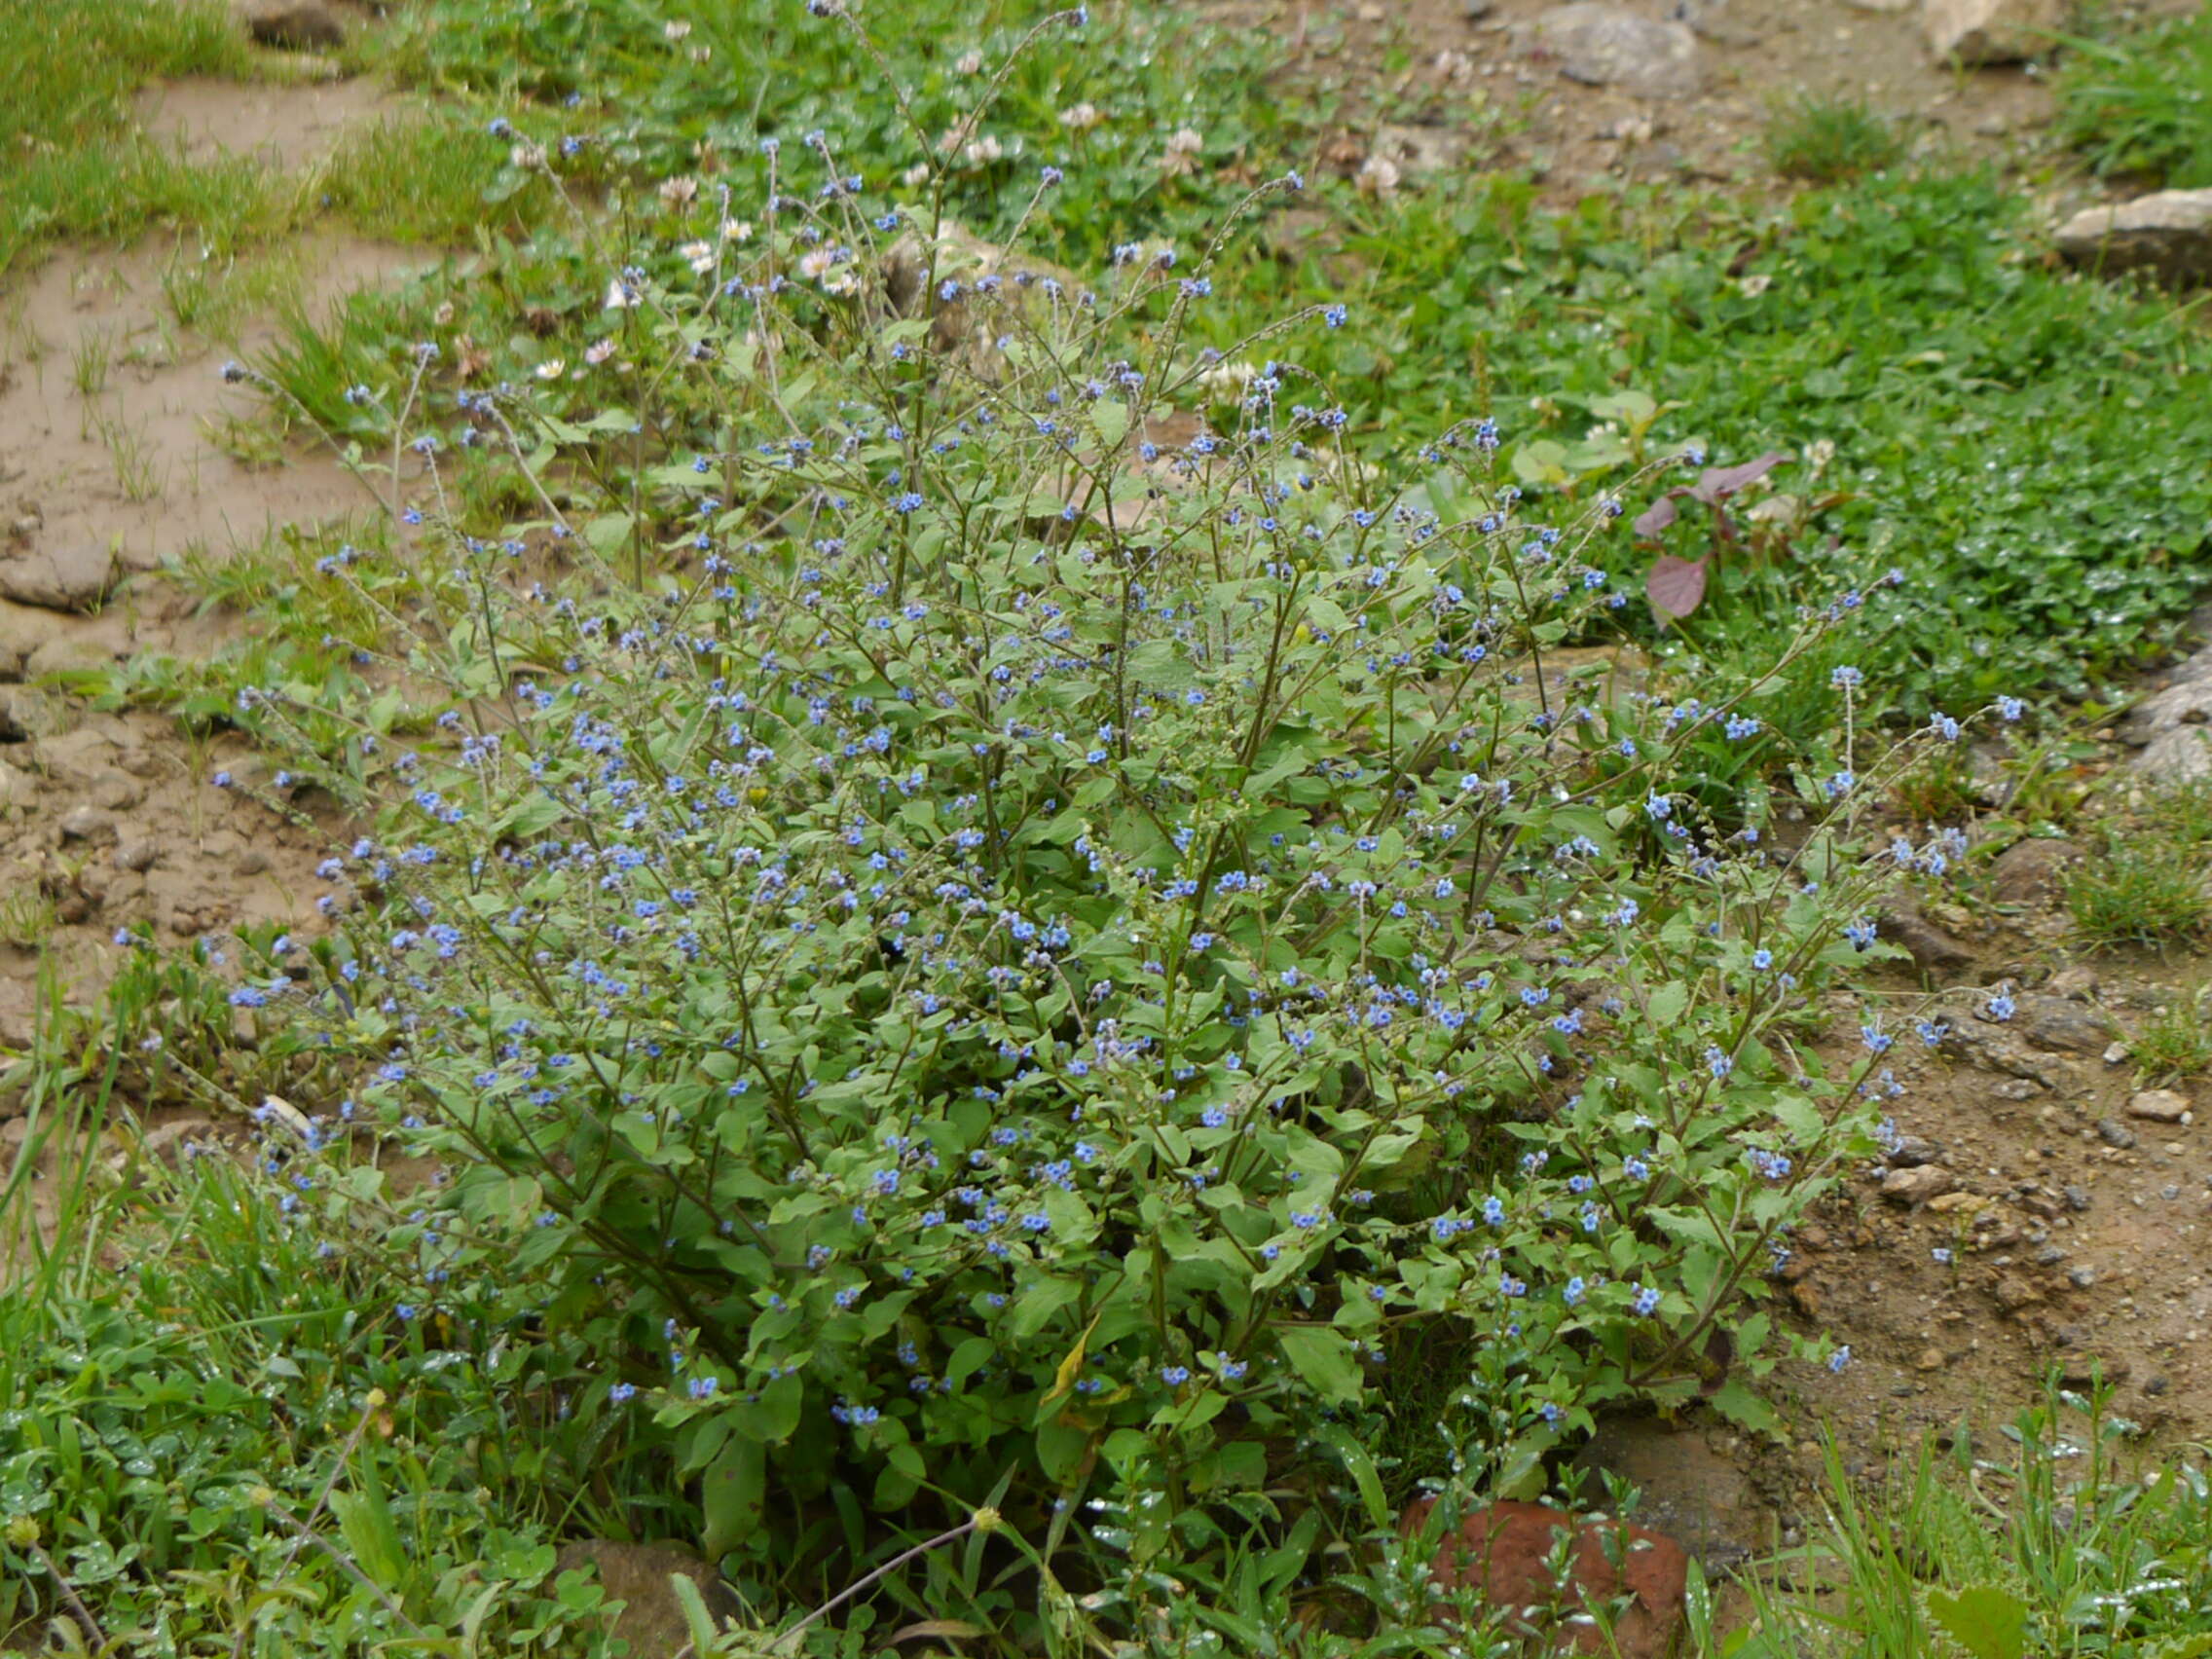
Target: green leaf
[(732, 1497), (1361, 1467), (1987, 1621), (1323, 1358)]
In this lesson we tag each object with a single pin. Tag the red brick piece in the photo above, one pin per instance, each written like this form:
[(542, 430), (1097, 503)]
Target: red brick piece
[(1503, 1551)]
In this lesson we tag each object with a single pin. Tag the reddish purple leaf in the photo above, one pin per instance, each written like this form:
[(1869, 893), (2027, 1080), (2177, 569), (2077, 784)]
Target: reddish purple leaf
[(1656, 517), (1675, 586), (1719, 483)]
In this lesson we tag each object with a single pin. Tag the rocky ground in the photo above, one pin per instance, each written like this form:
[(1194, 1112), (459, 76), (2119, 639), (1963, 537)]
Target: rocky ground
[(2042, 1207)]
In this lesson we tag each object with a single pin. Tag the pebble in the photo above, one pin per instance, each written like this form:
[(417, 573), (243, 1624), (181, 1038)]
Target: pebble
[(2159, 1105), (1911, 1152), (252, 862), (85, 823), (2116, 1054), (141, 855), (2077, 1197), (1916, 1185), (2113, 1132), (2081, 1278)]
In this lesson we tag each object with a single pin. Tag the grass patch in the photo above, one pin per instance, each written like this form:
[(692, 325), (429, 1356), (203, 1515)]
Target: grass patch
[(71, 164), (2175, 1044), (1829, 140), (433, 178), (2139, 104)]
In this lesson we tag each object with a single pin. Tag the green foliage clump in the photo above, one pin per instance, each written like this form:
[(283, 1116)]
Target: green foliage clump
[(1830, 140), (2140, 105)]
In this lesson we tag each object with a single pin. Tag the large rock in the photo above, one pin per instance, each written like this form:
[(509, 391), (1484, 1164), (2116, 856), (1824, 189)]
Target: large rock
[(2168, 233), (1991, 31), (653, 1619), (1608, 46), (1503, 1551)]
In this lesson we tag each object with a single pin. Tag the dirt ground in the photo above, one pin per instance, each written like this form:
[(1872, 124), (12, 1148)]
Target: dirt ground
[(2068, 1231)]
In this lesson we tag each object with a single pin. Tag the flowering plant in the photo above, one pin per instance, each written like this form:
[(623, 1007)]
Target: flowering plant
[(1004, 941)]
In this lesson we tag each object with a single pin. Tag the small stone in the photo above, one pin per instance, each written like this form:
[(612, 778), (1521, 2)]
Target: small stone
[(2050, 1256), (294, 25), (87, 824), (1931, 1359), (2014, 1293), (2159, 1105), (1475, 11), (1608, 46), (2077, 983), (2081, 1278), (2054, 1022), (2017, 1089), (1915, 1186), (1911, 1152), (2077, 1370), (1932, 950), (2113, 1132), (138, 855), (1958, 1204), (2117, 1055), (2028, 871), (252, 862), (74, 579), (1977, 32), (2078, 1198), (2168, 233), (117, 792)]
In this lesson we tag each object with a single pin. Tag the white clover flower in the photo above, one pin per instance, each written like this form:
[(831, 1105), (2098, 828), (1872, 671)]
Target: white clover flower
[(984, 151), (971, 62), (677, 30), (598, 352), (679, 191), (1378, 178), (527, 156), (915, 176), (1082, 117), (1184, 148)]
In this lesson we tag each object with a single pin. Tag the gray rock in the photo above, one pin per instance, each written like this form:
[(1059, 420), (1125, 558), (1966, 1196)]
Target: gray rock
[(1933, 949), (2077, 983), (2081, 1278), (1609, 46), (2054, 1023), (88, 824), (138, 855), (2113, 1132), (117, 792), (293, 26), (2158, 1105), (653, 1619), (2032, 869), (1991, 31), (69, 578), (2078, 1198), (2167, 232), (2171, 730), (1911, 1152)]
